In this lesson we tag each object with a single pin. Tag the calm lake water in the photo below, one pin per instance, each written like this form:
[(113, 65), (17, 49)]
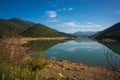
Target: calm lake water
[(82, 50)]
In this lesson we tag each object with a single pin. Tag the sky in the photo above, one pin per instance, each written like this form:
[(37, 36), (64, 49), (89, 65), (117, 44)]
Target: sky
[(64, 15)]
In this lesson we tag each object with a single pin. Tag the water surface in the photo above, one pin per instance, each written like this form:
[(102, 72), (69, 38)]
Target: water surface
[(82, 50)]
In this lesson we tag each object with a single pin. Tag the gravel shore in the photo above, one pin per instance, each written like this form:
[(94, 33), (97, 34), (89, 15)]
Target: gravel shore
[(66, 70)]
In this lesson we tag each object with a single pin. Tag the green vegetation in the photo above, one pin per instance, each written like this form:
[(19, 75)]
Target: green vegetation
[(17, 72), (13, 27), (37, 64), (18, 27), (67, 35), (40, 30), (30, 71), (15, 63), (8, 29), (23, 24), (111, 33)]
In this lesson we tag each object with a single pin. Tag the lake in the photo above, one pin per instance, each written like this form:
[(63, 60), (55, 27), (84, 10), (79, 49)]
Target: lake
[(82, 50)]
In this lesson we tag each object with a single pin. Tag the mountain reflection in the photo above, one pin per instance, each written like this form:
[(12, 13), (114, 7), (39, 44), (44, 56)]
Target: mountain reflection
[(82, 50), (39, 46), (114, 46)]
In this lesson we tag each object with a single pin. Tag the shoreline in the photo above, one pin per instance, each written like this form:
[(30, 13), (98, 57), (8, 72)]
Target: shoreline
[(67, 70), (109, 40), (25, 40)]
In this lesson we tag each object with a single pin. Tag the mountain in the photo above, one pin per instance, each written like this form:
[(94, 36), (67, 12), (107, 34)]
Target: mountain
[(84, 33), (40, 30), (13, 27), (112, 32), (23, 24), (18, 27), (8, 28)]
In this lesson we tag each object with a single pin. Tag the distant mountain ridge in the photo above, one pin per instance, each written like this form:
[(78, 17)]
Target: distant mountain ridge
[(112, 32), (84, 33), (19, 27)]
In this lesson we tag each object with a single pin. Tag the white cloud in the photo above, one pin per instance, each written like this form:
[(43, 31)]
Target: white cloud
[(51, 14), (91, 27), (69, 24), (90, 23), (65, 9), (70, 9)]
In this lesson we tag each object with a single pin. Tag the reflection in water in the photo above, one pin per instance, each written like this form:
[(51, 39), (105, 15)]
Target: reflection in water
[(40, 46), (114, 46), (113, 60), (113, 54), (82, 50)]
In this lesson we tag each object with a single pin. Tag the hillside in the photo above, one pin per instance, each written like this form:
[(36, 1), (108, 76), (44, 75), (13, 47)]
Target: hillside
[(112, 32), (22, 23), (8, 28), (40, 30), (13, 26), (67, 35), (19, 27)]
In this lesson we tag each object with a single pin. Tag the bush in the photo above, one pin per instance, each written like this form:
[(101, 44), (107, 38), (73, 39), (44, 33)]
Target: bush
[(15, 64), (38, 63), (17, 72)]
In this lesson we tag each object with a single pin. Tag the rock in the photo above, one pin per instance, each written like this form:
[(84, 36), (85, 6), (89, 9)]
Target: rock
[(82, 68), (77, 71), (71, 78), (61, 75)]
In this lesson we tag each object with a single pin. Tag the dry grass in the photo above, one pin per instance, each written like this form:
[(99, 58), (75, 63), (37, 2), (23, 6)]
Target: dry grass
[(15, 63)]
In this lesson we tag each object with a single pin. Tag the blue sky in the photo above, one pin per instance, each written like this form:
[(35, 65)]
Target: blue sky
[(64, 15)]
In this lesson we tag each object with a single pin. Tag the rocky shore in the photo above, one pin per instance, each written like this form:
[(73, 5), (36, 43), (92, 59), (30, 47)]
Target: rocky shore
[(63, 70), (66, 70)]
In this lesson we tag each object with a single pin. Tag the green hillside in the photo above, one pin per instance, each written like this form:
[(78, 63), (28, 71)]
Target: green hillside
[(18, 27), (40, 30), (22, 23), (13, 27), (112, 33), (8, 28)]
